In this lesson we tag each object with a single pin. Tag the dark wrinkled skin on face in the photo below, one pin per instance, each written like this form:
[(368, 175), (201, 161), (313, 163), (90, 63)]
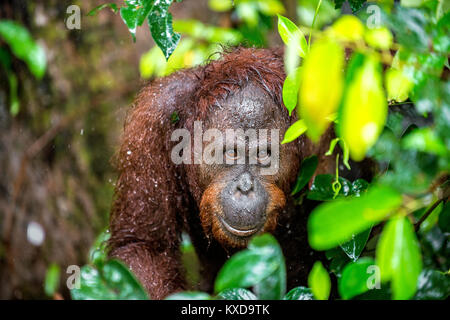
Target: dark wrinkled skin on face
[(244, 211), (220, 206)]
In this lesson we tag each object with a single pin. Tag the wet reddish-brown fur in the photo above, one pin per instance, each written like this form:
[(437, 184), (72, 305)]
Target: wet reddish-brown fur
[(155, 200)]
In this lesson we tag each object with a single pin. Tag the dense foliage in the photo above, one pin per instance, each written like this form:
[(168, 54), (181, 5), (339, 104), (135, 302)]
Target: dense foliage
[(389, 99)]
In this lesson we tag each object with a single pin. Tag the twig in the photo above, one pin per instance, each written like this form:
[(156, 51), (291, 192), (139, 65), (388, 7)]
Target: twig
[(427, 213)]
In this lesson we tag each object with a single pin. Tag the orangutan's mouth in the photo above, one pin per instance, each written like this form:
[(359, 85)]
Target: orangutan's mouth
[(239, 232)]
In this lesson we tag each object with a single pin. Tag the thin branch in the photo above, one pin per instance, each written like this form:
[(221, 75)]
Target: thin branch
[(427, 213)]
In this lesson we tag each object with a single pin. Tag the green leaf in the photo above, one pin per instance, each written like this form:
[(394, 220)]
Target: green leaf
[(220, 5), (290, 90), (409, 26), (24, 47), (272, 287), (364, 109), (380, 38), (333, 223), (262, 262), (189, 295), (294, 131), (356, 244), (338, 262), (425, 140), (271, 7), (398, 85), (97, 9), (399, 259), (319, 281), (130, 16), (444, 218), (355, 5), (98, 252), (348, 28), (355, 277), (441, 40), (160, 22), (112, 281), (307, 169), (292, 35), (433, 285), (299, 293), (51, 283), (322, 190), (321, 86), (237, 294)]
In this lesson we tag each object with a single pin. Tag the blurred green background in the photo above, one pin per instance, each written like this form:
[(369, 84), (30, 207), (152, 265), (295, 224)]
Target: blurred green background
[(59, 133)]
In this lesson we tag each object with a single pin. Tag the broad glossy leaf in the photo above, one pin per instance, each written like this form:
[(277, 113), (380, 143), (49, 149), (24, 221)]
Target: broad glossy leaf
[(338, 262), (432, 285), (321, 86), (299, 293), (111, 282), (292, 35), (355, 277), (130, 15), (236, 294), (189, 295), (364, 109), (262, 260), (322, 190), (409, 26), (356, 244), (333, 223), (290, 90), (24, 47), (307, 169), (398, 85), (294, 131), (319, 281), (160, 21), (398, 256), (272, 287)]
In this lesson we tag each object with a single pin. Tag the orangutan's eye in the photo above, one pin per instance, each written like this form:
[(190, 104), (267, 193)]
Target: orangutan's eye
[(263, 155), (232, 154)]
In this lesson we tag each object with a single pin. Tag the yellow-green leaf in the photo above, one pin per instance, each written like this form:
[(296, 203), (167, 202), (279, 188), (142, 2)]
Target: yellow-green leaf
[(379, 38), (348, 28), (319, 281), (294, 131), (398, 85), (335, 222), (364, 109), (321, 86), (292, 35), (398, 257), (290, 90), (220, 5)]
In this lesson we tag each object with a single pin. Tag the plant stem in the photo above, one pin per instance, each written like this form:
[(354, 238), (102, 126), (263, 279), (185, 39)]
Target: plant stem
[(312, 25), (426, 214)]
